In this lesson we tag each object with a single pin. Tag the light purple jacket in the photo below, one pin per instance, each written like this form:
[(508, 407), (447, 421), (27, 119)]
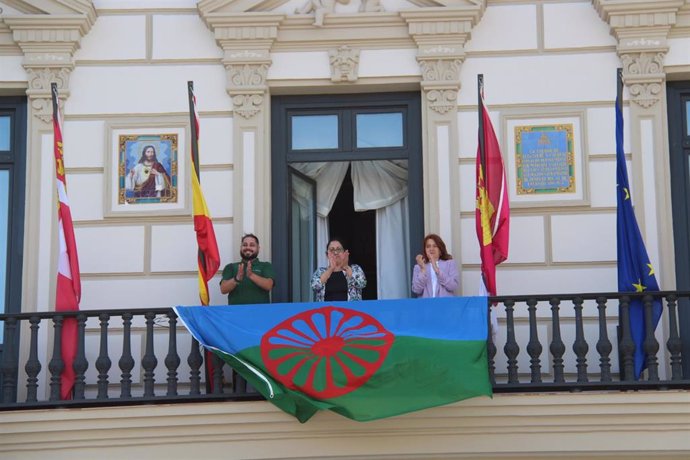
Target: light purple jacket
[(447, 280)]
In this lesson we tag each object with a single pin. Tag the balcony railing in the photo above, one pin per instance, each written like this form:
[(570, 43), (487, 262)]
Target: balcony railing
[(545, 343)]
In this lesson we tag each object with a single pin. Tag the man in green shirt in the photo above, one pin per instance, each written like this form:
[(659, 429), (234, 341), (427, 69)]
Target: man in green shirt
[(248, 281)]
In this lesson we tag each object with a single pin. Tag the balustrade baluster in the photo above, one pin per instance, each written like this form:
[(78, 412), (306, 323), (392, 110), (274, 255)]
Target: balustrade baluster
[(10, 363), (33, 365), (103, 362), (511, 348), (674, 344), (534, 347), (580, 346), (195, 361), (56, 365), (217, 365), (126, 362), (172, 360), (557, 346), (604, 346), (80, 362), (626, 346), (491, 348), (650, 346), (149, 360)]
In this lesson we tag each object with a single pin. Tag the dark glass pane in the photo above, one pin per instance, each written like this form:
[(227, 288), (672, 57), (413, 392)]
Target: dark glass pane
[(5, 130), (379, 130), (687, 118), (4, 223), (311, 132)]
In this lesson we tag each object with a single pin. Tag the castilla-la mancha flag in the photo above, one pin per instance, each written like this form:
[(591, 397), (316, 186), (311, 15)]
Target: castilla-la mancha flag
[(493, 212), (68, 282)]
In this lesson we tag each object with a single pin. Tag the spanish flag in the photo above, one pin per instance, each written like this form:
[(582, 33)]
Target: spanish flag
[(68, 280), (493, 212), (208, 256)]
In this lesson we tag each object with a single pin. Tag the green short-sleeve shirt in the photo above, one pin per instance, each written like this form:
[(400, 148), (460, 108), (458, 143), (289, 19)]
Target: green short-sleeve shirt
[(246, 291)]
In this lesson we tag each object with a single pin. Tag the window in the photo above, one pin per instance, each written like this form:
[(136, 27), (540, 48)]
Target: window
[(322, 149), (379, 130), (5, 131), (312, 132)]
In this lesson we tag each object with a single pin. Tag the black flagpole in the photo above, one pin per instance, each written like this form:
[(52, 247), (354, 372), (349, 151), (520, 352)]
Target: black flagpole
[(195, 135), (480, 112), (619, 88)]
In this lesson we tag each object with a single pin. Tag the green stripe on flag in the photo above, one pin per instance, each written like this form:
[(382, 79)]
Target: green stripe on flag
[(417, 373)]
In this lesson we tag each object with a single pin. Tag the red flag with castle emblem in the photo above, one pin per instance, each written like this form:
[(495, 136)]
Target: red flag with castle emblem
[(68, 282), (493, 211)]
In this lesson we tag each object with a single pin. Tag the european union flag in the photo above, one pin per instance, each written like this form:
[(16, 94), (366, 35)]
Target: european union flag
[(635, 272)]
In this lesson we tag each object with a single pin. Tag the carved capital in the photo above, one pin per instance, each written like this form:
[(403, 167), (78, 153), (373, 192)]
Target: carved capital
[(39, 94), (344, 64), (643, 73), (440, 70), (48, 43), (243, 76)]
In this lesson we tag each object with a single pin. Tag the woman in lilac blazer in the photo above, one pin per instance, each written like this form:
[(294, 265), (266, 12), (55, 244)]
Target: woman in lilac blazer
[(435, 274)]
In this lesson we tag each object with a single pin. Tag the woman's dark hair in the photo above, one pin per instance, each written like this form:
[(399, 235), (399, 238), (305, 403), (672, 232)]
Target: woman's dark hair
[(143, 153), (339, 240), (441, 247)]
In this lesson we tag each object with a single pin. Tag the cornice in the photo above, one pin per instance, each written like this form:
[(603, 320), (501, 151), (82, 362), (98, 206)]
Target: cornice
[(55, 7), (442, 25), (626, 14), (60, 31)]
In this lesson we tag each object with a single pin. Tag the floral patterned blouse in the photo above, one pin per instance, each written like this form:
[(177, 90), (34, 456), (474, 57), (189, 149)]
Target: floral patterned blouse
[(355, 283)]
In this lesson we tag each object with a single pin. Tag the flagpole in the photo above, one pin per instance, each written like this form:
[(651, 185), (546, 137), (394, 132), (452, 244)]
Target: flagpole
[(195, 134), (619, 88), (480, 113)]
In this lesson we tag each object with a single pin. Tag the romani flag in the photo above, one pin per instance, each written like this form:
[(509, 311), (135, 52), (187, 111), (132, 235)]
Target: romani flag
[(635, 271), (68, 282), (493, 212), (208, 256), (364, 360)]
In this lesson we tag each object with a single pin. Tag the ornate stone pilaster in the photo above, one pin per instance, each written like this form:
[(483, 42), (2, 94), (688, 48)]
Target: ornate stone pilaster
[(48, 43), (440, 35), (440, 67), (246, 41), (641, 28)]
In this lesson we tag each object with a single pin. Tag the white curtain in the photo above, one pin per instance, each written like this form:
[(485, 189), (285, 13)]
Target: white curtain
[(378, 185)]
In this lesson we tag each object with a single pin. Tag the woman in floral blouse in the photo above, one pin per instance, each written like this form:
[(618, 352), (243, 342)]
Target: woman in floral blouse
[(340, 280)]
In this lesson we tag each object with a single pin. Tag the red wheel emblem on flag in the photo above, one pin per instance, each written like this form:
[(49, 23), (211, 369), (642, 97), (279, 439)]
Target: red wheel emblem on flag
[(325, 352)]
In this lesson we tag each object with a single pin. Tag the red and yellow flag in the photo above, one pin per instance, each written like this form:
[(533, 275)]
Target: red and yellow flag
[(493, 212), (68, 282), (208, 255)]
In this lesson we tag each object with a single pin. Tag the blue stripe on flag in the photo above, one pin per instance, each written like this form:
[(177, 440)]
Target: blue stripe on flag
[(234, 328)]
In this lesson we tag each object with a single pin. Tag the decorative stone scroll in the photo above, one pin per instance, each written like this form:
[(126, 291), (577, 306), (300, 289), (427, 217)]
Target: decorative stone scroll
[(39, 89), (441, 82)]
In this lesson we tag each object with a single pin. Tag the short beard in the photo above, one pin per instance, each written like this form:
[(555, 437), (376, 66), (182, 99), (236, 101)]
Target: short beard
[(248, 258)]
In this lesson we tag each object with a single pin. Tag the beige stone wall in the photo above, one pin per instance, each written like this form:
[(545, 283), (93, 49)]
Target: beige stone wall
[(569, 426)]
